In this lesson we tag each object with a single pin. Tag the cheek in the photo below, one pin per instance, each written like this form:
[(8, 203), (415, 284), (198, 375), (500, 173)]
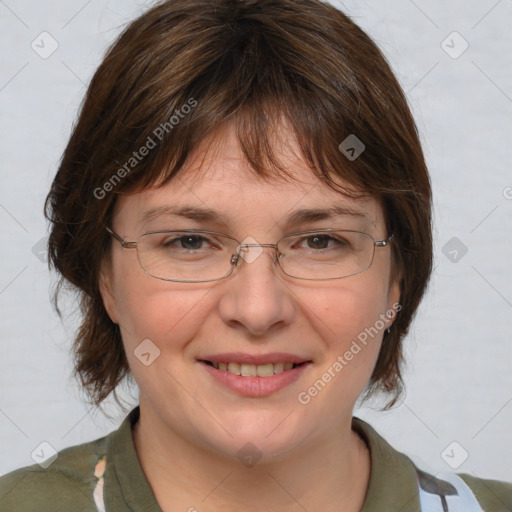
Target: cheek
[(349, 318), (346, 310), (166, 313), (157, 329)]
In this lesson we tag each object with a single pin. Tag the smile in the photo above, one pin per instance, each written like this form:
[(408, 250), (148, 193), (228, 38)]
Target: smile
[(254, 370), (254, 376)]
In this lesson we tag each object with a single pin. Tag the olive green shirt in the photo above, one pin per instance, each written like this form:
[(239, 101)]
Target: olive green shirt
[(106, 475)]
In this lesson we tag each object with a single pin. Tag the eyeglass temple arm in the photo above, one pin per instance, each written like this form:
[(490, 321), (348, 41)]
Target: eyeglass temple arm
[(124, 243), (383, 243)]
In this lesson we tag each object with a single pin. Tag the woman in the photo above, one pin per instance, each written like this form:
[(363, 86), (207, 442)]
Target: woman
[(245, 208)]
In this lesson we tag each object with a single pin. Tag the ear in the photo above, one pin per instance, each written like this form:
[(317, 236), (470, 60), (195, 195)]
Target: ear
[(106, 287), (394, 298)]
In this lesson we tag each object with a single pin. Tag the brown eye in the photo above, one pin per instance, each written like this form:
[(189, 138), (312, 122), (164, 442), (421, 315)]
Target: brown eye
[(318, 241)]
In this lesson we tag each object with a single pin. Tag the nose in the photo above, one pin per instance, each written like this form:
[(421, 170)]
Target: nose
[(255, 297)]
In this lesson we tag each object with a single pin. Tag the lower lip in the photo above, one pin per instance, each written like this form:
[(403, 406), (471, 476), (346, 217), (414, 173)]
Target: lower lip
[(256, 386)]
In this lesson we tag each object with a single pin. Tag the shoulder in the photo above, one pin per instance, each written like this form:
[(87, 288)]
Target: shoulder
[(493, 495), (396, 482), (68, 480)]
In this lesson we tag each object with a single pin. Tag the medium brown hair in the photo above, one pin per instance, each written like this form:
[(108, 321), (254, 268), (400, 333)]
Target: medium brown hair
[(250, 62)]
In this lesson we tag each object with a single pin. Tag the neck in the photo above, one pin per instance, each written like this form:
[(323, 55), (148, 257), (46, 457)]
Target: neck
[(329, 475)]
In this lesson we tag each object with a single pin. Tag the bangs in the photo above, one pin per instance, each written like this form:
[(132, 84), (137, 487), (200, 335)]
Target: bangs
[(262, 124), (167, 103)]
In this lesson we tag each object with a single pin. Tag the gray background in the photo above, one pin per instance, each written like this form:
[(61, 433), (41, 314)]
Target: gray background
[(459, 379)]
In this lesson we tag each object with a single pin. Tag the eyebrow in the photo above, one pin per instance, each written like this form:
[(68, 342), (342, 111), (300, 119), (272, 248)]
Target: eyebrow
[(206, 214)]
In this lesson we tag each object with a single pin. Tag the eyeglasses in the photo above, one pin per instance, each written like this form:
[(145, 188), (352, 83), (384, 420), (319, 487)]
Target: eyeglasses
[(194, 256)]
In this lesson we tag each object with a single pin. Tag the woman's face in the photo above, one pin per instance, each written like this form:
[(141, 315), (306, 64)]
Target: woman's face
[(335, 327)]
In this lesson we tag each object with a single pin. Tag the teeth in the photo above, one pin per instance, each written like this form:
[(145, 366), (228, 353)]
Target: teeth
[(265, 370), (254, 370), (248, 370), (278, 367), (234, 368)]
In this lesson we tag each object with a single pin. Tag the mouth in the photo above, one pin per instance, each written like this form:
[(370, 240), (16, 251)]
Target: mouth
[(254, 370), (254, 376)]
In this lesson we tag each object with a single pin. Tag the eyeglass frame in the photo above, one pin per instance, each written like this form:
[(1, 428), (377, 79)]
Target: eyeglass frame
[(235, 258)]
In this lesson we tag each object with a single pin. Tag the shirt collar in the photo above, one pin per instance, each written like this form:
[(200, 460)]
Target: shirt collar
[(126, 481), (393, 482)]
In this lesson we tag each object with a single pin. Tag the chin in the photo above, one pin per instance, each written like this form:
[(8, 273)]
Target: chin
[(257, 435)]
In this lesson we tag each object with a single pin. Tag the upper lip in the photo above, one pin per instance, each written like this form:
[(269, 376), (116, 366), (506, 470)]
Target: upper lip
[(257, 359)]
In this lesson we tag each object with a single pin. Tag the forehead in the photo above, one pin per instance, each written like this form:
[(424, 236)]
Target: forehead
[(217, 185)]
